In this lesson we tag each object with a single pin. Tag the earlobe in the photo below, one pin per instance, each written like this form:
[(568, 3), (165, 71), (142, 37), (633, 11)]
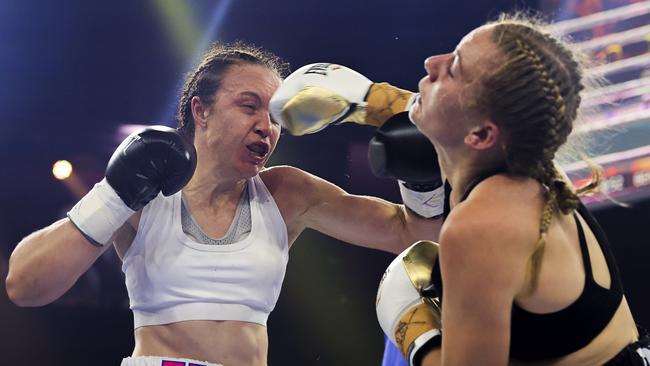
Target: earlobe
[(483, 136)]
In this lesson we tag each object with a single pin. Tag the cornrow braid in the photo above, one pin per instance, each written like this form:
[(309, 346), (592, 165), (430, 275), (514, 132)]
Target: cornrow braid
[(534, 97)]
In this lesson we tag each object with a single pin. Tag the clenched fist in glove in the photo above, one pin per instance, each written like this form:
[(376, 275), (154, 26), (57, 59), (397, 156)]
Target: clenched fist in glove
[(317, 95)]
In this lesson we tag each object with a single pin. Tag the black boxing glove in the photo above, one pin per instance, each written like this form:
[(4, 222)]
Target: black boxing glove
[(155, 159), (147, 162), (400, 151)]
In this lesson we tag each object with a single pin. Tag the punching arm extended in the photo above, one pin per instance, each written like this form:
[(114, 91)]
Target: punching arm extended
[(361, 220)]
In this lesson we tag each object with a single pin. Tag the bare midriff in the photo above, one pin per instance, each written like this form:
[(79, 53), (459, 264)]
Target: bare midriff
[(223, 342)]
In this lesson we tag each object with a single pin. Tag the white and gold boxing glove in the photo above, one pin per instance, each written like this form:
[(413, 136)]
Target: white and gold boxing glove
[(317, 95), (407, 309)]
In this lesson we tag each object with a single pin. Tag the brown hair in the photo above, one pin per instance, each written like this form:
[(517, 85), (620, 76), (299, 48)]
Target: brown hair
[(204, 81), (534, 96)]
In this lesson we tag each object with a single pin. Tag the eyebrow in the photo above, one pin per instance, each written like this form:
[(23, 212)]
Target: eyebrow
[(250, 94)]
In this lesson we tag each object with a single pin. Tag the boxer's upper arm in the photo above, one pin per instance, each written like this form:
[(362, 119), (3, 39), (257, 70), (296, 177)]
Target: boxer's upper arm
[(362, 220), (482, 265)]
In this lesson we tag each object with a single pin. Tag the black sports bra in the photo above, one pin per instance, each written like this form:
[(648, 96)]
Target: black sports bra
[(545, 336)]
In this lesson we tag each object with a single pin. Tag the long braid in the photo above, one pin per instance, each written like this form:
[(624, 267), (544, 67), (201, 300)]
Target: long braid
[(534, 96), (535, 260)]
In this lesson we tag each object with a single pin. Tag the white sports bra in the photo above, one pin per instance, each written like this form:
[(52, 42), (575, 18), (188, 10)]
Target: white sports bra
[(172, 278)]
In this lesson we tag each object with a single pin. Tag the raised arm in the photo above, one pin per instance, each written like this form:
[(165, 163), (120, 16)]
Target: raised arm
[(320, 94), (48, 262)]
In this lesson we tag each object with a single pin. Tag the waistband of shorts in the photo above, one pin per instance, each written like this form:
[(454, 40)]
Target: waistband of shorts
[(163, 361)]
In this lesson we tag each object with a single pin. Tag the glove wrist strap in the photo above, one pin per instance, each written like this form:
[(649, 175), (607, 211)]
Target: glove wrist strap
[(427, 204), (422, 345), (99, 213)]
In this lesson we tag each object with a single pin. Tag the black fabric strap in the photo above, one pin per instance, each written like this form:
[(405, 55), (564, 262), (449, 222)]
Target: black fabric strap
[(586, 261), (605, 246), (480, 178)]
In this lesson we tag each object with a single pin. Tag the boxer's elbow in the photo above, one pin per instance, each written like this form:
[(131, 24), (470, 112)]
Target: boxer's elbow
[(15, 290), (23, 290), (400, 229)]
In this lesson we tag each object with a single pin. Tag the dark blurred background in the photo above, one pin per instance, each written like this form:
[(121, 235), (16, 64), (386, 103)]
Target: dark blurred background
[(76, 76)]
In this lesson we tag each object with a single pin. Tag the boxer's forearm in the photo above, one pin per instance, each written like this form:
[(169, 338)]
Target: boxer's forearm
[(433, 358), (47, 263)]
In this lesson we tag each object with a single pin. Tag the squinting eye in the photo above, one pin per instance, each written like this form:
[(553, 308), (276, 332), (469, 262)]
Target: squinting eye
[(451, 64)]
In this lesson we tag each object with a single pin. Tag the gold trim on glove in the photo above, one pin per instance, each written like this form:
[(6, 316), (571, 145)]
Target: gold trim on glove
[(312, 109), (385, 101), (414, 322), (418, 263)]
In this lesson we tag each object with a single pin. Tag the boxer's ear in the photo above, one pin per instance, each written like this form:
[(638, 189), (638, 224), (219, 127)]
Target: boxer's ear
[(199, 111), (483, 136)]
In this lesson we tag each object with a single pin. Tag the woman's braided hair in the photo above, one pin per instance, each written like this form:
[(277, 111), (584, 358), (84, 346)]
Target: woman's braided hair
[(534, 97), (206, 78)]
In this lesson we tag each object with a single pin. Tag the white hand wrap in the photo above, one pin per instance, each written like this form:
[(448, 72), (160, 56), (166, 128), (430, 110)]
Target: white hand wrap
[(426, 204), (100, 213)]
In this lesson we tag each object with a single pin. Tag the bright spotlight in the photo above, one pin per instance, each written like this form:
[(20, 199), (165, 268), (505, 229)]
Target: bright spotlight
[(62, 169)]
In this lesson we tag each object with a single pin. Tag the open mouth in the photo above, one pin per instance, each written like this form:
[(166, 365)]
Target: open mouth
[(258, 149)]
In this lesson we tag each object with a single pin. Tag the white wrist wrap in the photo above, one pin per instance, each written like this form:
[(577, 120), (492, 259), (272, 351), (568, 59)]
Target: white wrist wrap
[(421, 341), (426, 204), (100, 213)]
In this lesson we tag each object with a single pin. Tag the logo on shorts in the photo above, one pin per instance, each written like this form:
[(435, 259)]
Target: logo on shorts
[(179, 363)]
